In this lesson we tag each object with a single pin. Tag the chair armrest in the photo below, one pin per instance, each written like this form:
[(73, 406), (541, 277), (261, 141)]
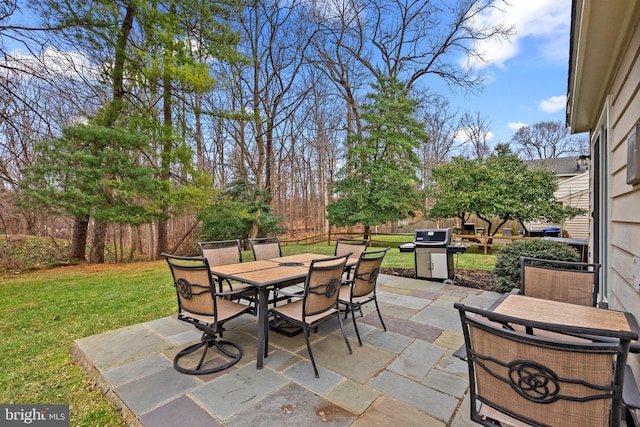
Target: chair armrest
[(287, 294), (461, 353), (237, 292)]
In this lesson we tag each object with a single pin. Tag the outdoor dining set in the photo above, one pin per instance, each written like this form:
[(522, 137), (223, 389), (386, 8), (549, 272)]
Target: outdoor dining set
[(217, 287), (548, 353)]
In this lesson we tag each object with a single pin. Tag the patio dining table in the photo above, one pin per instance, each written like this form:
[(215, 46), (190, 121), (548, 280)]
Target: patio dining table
[(562, 313), (267, 274)]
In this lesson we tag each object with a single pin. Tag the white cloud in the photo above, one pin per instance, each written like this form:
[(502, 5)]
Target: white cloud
[(516, 125), (461, 135), (490, 135), (547, 20), (52, 61), (553, 104)]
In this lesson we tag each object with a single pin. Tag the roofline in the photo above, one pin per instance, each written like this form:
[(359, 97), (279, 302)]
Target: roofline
[(600, 34)]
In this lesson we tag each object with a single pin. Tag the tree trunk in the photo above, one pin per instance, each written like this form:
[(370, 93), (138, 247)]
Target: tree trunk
[(96, 256), (162, 243), (186, 234), (79, 238)]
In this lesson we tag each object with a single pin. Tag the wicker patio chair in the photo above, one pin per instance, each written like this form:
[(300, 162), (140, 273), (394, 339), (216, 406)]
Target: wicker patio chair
[(201, 305), (265, 248), (572, 282), (362, 288), (318, 302), (224, 252), (521, 379)]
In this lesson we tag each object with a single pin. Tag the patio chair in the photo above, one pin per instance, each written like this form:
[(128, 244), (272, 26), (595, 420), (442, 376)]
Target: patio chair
[(362, 288), (564, 281), (224, 252), (265, 248), (353, 246), (201, 305), (521, 379), (318, 302)]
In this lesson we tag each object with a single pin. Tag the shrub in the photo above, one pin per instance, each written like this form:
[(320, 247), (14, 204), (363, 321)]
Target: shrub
[(231, 219), (507, 267), (23, 253), (225, 220)]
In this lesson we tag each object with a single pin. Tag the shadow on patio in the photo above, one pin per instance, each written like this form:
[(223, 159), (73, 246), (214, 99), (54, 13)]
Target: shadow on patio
[(406, 376)]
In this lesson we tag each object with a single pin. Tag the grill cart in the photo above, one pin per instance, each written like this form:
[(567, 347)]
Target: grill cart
[(433, 253)]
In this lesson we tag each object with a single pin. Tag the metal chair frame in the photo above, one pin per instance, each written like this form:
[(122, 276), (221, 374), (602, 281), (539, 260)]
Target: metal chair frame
[(563, 281), (201, 305), (566, 380), (354, 247), (224, 252), (361, 289), (319, 300), (265, 248)]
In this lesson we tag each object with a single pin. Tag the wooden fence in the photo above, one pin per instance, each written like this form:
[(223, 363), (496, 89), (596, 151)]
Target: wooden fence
[(484, 243)]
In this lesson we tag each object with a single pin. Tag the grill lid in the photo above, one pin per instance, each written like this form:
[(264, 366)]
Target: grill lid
[(434, 236)]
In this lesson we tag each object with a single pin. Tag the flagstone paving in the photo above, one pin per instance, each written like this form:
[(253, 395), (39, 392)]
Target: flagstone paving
[(405, 376)]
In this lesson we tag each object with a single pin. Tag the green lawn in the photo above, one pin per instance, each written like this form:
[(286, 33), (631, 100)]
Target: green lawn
[(43, 312), (473, 259)]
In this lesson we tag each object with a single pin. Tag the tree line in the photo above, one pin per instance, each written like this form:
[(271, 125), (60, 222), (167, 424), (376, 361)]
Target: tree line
[(150, 118)]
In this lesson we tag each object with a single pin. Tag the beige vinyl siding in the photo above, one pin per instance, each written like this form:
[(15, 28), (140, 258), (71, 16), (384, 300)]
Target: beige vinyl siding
[(624, 200), (575, 192)]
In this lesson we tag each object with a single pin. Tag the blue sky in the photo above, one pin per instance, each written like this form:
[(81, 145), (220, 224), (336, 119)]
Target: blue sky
[(527, 78), (527, 81)]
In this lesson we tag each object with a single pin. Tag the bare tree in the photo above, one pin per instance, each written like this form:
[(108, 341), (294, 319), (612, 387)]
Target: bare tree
[(332, 53), (476, 129), (547, 140), (274, 42), (42, 90), (410, 39), (441, 124)]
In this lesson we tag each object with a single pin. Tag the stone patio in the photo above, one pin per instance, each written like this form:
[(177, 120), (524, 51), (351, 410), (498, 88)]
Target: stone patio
[(406, 376)]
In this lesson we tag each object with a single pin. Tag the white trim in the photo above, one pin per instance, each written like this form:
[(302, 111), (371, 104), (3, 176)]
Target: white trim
[(602, 131)]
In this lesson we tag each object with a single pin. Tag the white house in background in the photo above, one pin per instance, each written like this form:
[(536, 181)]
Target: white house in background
[(573, 190), (604, 100)]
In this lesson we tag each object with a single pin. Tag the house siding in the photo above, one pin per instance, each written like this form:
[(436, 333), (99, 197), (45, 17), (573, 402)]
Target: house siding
[(572, 191), (624, 200), (604, 91), (575, 192)]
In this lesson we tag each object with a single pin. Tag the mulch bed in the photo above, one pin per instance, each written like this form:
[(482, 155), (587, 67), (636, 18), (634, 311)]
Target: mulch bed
[(477, 279)]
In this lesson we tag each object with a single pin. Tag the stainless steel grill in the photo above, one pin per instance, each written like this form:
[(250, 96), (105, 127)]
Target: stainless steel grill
[(437, 237), (433, 253)]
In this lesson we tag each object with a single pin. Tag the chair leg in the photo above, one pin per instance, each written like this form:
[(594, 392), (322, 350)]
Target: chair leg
[(375, 300), (345, 335), (305, 330), (207, 342), (355, 326)]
